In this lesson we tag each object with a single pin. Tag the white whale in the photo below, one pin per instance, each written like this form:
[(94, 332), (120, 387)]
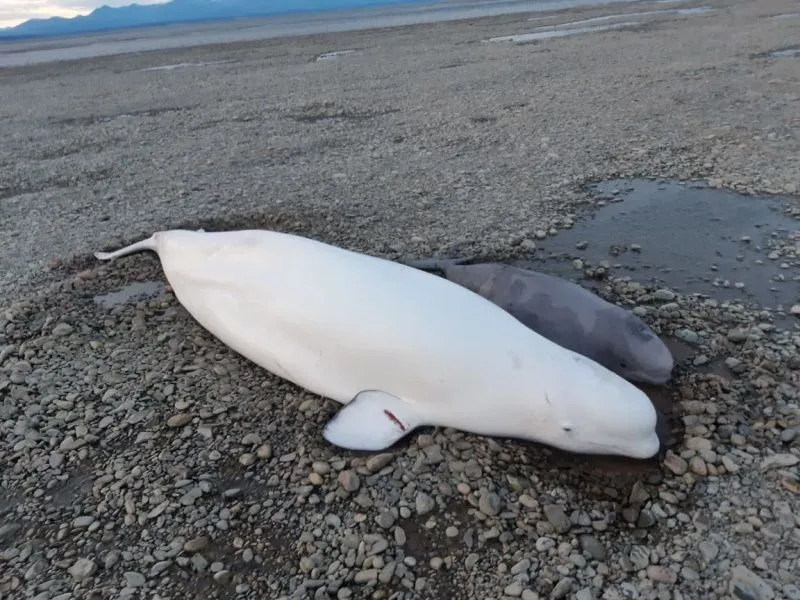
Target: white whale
[(398, 347)]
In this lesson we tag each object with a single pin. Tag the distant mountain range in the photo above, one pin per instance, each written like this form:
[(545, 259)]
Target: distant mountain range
[(180, 11)]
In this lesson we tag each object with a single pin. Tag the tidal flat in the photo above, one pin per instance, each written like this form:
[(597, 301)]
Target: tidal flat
[(142, 458)]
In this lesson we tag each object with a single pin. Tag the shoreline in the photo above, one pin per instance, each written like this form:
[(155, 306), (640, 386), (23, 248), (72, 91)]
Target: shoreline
[(189, 36)]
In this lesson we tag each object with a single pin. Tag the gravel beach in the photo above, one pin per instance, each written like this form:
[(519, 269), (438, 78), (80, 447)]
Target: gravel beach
[(141, 458)]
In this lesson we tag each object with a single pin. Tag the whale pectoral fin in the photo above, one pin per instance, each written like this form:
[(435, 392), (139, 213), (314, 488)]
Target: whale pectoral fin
[(372, 420)]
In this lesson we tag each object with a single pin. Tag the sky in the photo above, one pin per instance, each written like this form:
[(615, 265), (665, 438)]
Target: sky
[(14, 12)]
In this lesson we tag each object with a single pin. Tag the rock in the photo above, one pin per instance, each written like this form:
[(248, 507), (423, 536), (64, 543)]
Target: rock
[(779, 461), (562, 588), (592, 545), (223, 577), (521, 566), (584, 594), (731, 466), (664, 295), (747, 585), (159, 568), (134, 579), (424, 503), (82, 522), (197, 544), (179, 420), (640, 557), (675, 463), (489, 504), (661, 574), (698, 466), (557, 518), (349, 481), (708, 550), (378, 462), (737, 335), (62, 329), (82, 569), (385, 518), (698, 443), (366, 576)]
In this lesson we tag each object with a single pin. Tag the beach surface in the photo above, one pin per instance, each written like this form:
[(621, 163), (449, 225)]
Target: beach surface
[(142, 458)]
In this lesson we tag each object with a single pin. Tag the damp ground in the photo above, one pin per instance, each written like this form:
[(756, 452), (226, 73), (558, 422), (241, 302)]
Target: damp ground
[(687, 237), (131, 293)]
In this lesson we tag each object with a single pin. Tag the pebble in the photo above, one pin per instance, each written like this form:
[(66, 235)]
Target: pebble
[(521, 566), (349, 481), (62, 330), (781, 461), (179, 420), (698, 443), (746, 584), (698, 466), (379, 461), (557, 518), (197, 544), (366, 576), (640, 557), (82, 569), (489, 504), (424, 503), (562, 588), (675, 463), (134, 579), (82, 522), (664, 295), (513, 589), (661, 574), (592, 545), (708, 550)]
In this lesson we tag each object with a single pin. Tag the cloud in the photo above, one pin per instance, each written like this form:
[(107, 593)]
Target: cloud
[(13, 12)]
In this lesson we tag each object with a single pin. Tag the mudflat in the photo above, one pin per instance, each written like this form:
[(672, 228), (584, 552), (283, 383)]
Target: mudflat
[(143, 457)]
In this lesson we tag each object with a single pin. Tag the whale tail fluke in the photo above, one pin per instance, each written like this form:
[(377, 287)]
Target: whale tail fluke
[(146, 244)]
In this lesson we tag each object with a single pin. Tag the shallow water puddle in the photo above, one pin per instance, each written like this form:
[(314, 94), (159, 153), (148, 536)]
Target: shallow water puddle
[(184, 65), (690, 238), (667, 11), (333, 54), (785, 16), (133, 292), (786, 52), (565, 29), (553, 33)]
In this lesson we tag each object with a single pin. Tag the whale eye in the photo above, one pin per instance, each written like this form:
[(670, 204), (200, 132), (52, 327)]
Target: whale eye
[(566, 428)]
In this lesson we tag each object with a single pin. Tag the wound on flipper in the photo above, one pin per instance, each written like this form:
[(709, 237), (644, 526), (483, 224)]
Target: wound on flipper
[(373, 420)]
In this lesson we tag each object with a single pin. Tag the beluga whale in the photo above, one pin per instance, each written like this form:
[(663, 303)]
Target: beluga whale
[(397, 347), (566, 313)]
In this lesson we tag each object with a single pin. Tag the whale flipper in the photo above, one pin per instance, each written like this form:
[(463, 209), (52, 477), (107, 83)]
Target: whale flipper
[(372, 420)]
